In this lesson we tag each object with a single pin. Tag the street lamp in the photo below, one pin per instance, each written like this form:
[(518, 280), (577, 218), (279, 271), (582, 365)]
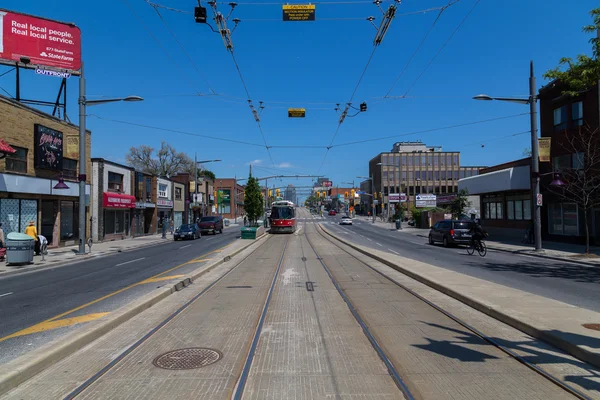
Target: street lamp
[(535, 163), (372, 196), (196, 162), (83, 103)]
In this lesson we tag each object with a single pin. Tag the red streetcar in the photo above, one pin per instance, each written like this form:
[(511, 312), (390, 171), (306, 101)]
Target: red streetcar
[(283, 217)]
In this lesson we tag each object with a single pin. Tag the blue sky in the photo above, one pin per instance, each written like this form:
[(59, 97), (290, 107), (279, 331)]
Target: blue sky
[(313, 65)]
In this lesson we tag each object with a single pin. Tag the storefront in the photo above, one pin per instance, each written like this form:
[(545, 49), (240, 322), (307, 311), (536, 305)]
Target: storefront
[(143, 216), (117, 215), (179, 202), (165, 212)]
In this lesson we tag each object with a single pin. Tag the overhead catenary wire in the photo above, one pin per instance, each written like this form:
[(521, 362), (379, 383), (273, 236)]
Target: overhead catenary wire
[(182, 48), (162, 48), (482, 143), (441, 48)]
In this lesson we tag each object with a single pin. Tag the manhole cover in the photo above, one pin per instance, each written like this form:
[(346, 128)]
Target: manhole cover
[(595, 327), (195, 357)]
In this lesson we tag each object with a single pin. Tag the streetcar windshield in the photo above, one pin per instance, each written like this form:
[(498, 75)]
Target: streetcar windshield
[(282, 213)]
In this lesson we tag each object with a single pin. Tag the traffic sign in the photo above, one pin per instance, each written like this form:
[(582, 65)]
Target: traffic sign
[(299, 12), (296, 112)]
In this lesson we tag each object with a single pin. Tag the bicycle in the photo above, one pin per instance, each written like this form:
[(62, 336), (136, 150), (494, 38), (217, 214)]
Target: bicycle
[(479, 246)]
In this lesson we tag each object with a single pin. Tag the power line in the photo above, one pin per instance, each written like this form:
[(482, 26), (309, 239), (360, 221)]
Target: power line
[(418, 47), (482, 143), (176, 131), (442, 48), (181, 47), (162, 48), (431, 130)]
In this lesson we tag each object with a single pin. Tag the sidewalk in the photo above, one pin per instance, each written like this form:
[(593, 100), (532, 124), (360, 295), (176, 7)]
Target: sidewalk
[(552, 250)]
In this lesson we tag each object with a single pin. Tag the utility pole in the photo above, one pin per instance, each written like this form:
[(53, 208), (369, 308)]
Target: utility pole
[(535, 161)]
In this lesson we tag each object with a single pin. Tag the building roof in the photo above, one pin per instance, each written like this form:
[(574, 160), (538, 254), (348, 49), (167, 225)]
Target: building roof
[(105, 161)]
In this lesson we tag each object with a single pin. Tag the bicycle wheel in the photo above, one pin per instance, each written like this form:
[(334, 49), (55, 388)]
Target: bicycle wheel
[(470, 249), (482, 249)]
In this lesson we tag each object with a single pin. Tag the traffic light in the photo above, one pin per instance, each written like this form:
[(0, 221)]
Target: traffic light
[(381, 195), (375, 195), (346, 194), (200, 15), (278, 192), (318, 194), (270, 193), (363, 107), (216, 196), (353, 192)]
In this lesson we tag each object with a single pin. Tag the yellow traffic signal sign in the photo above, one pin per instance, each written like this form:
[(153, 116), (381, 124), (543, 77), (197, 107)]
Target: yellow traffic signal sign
[(353, 193), (270, 193), (346, 194)]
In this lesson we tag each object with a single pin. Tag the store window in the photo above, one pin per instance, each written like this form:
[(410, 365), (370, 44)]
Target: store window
[(115, 182), (148, 188), (162, 190), (561, 163), (518, 208), (15, 214), (114, 222), (17, 162), (493, 209), (577, 113), (578, 161), (563, 219), (178, 194), (68, 221), (69, 168)]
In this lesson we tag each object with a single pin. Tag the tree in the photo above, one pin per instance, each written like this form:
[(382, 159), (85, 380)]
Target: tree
[(583, 73), (582, 179), (205, 173), (253, 200), (527, 151), (460, 203), (167, 161)]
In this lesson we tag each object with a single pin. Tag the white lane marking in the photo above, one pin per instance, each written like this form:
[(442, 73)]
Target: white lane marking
[(378, 244), (6, 294), (393, 251), (132, 261), (369, 239), (210, 238), (187, 245)]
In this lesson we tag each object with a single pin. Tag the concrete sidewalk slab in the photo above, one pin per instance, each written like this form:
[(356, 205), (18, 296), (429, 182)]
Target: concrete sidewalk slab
[(554, 322)]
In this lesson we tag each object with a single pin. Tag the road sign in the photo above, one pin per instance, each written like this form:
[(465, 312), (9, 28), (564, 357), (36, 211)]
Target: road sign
[(299, 12), (426, 200), (296, 112), (539, 200)]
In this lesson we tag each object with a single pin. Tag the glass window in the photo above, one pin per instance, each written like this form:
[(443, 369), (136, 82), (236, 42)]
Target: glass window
[(28, 213), (560, 163), (9, 215), (526, 209), (411, 175), (486, 210), (397, 160), (162, 190), (148, 188), (555, 224), (17, 162), (417, 175), (577, 113), (423, 159), (499, 213), (109, 222), (385, 175), (436, 175), (578, 161), (115, 182), (519, 209), (455, 159), (178, 195), (410, 159), (442, 159), (492, 210), (570, 219), (119, 221), (429, 175), (510, 210), (67, 221), (69, 168), (560, 118), (384, 159), (443, 175)]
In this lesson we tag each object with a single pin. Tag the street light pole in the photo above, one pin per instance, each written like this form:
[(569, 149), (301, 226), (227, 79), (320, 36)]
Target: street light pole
[(535, 162)]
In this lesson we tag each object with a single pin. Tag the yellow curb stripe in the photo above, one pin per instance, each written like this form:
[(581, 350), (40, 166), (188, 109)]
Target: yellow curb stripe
[(61, 323), (163, 278)]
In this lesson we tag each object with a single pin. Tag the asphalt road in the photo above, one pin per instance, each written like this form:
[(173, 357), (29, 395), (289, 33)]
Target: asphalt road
[(571, 283), (30, 299)]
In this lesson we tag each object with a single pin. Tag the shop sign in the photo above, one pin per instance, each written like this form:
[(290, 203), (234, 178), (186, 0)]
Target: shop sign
[(44, 42), (164, 203), (143, 204), (48, 148), (446, 199), (397, 198), (544, 148), (116, 200), (327, 184), (426, 200)]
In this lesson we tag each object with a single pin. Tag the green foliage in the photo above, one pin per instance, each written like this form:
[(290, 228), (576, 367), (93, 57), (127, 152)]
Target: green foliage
[(253, 200), (583, 73), (205, 173), (460, 203)]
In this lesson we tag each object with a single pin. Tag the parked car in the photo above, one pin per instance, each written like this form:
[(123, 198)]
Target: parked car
[(451, 232), (332, 212), (187, 231), (346, 220), (212, 224)]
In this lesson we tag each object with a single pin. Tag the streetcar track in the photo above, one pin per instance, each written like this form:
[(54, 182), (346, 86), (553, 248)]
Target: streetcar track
[(94, 378), (553, 379)]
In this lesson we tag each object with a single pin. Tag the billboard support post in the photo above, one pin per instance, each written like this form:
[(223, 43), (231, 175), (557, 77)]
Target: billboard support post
[(18, 88)]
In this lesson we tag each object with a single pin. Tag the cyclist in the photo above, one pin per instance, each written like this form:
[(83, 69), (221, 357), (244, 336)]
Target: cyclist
[(477, 234)]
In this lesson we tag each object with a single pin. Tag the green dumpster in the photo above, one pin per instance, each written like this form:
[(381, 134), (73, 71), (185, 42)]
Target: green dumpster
[(249, 233)]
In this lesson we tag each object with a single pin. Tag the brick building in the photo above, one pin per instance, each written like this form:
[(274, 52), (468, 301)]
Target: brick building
[(145, 212), (46, 149), (230, 198)]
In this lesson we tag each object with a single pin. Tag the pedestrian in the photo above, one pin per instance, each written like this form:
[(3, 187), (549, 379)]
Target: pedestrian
[(2, 242), (43, 244), (31, 230), (164, 227), (172, 224)]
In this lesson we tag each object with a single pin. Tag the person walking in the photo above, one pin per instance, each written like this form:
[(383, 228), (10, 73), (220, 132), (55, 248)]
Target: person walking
[(31, 230), (172, 225), (2, 244)]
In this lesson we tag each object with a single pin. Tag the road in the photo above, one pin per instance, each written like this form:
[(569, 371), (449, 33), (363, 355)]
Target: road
[(571, 283), (82, 292)]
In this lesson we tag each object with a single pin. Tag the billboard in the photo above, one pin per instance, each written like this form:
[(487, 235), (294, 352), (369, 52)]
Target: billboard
[(44, 42), (327, 184), (426, 200), (397, 198)]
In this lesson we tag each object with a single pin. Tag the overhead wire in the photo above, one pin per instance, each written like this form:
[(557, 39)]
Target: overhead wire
[(442, 48), (181, 47), (176, 131), (432, 129), (482, 143), (162, 48)]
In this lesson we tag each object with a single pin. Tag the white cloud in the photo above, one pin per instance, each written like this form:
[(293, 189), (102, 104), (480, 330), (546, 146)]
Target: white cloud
[(255, 162), (284, 165)]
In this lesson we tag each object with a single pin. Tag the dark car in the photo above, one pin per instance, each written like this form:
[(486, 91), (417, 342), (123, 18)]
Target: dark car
[(451, 232), (187, 231), (332, 212), (212, 224)]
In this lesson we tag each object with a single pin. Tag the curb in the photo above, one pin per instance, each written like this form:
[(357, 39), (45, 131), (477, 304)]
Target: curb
[(27, 366), (519, 252), (554, 340), (86, 258)]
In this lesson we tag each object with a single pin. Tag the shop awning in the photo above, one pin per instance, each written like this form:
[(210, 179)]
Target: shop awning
[(117, 200), (5, 149), (509, 179)]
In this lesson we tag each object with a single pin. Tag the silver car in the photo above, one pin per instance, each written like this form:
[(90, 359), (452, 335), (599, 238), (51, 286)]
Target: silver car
[(346, 220)]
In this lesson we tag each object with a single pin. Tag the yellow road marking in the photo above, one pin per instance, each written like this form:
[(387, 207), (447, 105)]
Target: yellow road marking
[(61, 323), (162, 278), (195, 261), (110, 294)]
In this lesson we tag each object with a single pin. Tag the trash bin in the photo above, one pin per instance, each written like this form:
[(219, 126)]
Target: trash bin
[(249, 233), (19, 248), (398, 222)]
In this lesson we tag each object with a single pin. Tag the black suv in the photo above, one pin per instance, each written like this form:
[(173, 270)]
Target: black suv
[(451, 232), (212, 224)]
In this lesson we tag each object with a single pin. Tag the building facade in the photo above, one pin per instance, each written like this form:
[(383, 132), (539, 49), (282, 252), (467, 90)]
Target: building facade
[(145, 213), (562, 119), (164, 202), (179, 203), (289, 193), (230, 198), (113, 200), (47, 149)]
